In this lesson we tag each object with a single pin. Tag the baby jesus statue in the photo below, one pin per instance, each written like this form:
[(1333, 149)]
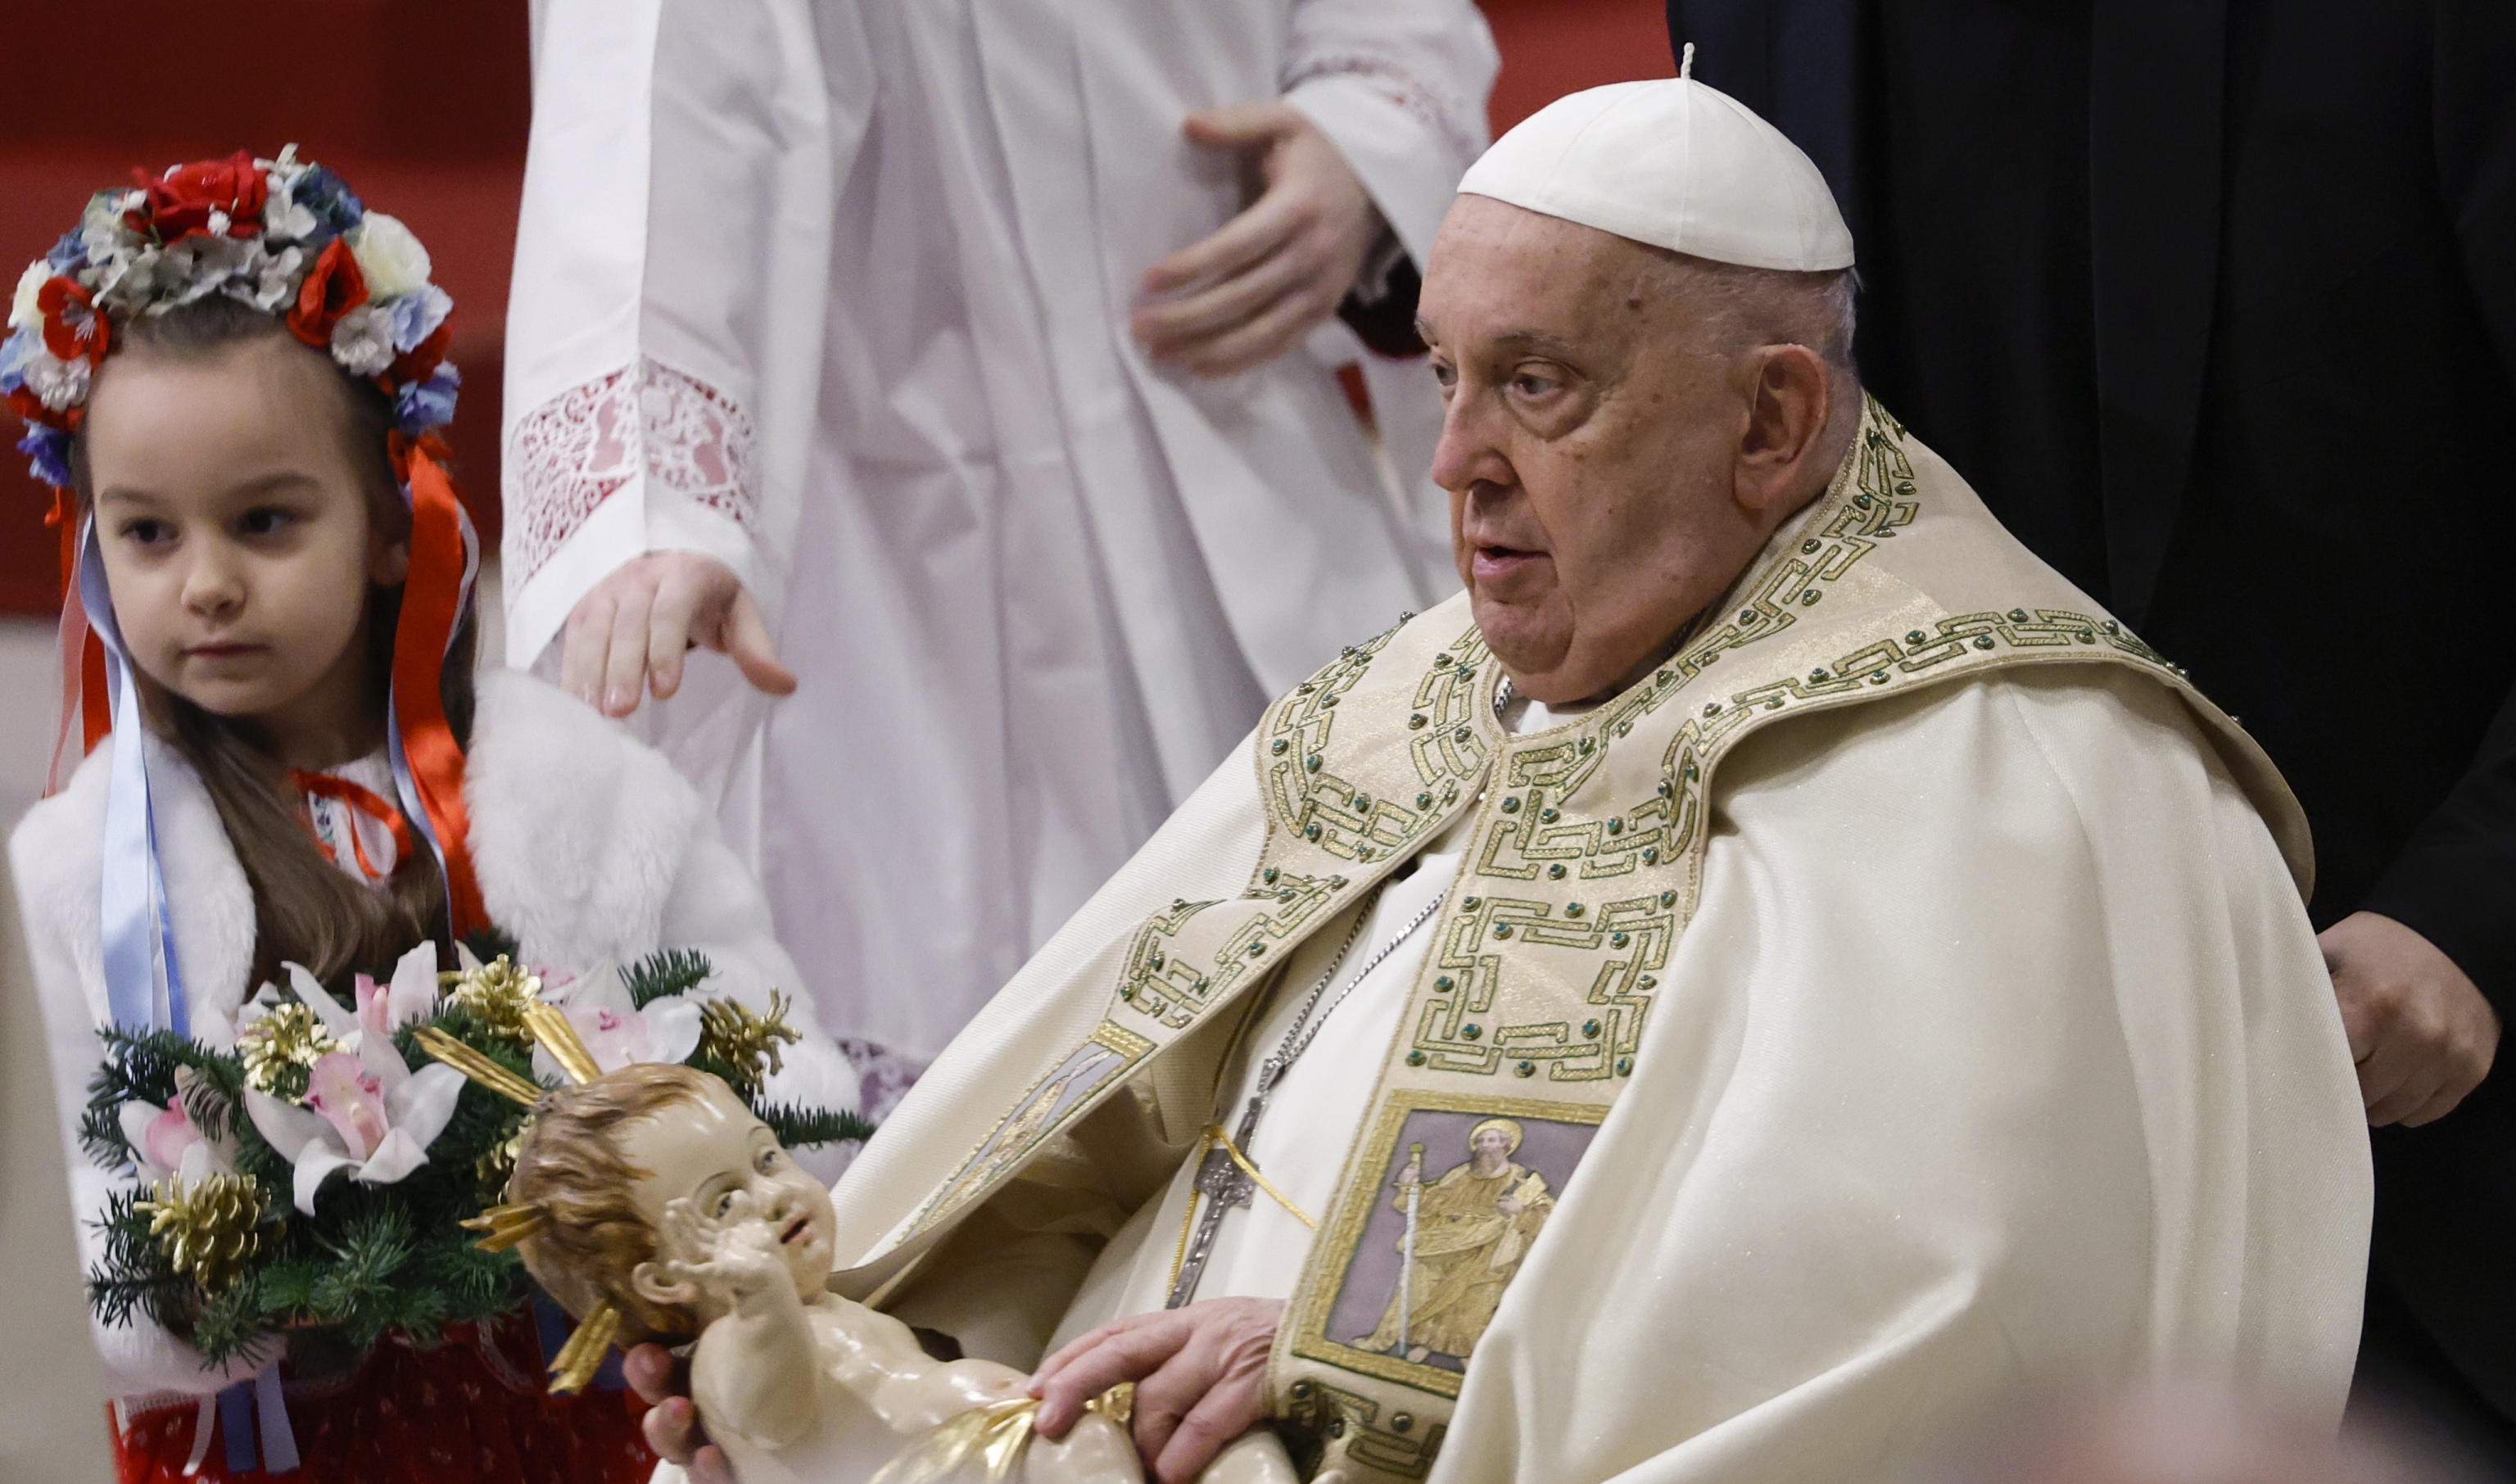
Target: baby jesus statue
[(652, 1203)]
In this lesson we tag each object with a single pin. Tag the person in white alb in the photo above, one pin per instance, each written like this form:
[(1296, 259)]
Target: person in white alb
[(977, 362)]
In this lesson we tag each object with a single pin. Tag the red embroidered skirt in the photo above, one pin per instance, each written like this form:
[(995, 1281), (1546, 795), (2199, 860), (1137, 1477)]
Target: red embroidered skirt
[(473, 1411)]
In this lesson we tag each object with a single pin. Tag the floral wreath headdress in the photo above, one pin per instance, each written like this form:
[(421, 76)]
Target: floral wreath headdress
[(288, 237)]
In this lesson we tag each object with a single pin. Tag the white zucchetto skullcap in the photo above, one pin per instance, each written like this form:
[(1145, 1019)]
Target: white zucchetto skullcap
[(1675, 164)]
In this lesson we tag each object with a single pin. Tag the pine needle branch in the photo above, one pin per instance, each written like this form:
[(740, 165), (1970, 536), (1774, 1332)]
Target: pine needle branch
[(797, 1128), (673, 971)]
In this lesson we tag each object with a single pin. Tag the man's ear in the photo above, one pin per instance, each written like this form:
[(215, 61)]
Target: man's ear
[(1789, 391), (657, 1285)]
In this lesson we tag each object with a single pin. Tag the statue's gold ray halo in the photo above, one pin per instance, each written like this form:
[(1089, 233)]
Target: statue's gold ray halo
[(507, 1225), (550, 1027), (478, 1067)]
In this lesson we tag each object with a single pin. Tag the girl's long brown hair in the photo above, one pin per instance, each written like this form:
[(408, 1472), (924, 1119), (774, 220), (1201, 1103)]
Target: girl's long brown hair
[(306, 910)]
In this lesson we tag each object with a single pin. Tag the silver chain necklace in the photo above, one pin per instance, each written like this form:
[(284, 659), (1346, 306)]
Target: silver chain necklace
[(1221, 1178)]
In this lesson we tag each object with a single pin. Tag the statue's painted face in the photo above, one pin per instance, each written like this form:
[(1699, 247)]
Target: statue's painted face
[(705, 1150)]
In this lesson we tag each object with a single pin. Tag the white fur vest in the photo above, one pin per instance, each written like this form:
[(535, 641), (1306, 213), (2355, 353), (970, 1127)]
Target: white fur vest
[(588, 846)]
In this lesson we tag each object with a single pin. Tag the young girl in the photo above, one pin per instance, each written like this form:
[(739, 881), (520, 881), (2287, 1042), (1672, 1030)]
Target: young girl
[(231, 376)]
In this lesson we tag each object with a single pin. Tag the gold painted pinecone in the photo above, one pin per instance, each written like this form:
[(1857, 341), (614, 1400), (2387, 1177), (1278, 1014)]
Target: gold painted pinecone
[(496, 993), (743, 1039), (281, 1047), (209, 1230)]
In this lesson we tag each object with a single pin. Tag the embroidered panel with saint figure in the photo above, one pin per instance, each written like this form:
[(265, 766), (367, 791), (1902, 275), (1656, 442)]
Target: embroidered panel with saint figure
[(1420, 1256), (1086, 1070)]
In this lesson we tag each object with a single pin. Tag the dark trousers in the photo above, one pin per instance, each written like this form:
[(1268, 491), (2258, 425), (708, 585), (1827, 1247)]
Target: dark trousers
[(2406, 1388)]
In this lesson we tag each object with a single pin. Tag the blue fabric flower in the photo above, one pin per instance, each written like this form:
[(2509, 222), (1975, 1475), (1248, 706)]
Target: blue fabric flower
[(336, 210), (14, 352), (417, 314), (48, 454), (68, 255), (430, 404)]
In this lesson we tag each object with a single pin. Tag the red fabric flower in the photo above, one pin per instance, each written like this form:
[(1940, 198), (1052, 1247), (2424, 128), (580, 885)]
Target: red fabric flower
[(181, 200), (73, 330), (333, 287), (28, 405), (420, 362)]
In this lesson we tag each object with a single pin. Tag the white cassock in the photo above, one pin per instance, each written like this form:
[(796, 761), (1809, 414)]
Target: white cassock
[(837, 293)]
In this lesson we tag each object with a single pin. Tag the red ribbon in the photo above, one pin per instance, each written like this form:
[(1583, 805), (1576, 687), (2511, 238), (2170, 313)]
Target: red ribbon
[(82, 652), (429, 602), (364, 801)]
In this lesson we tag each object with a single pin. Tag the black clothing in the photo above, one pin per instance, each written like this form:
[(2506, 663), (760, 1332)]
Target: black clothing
[(2214, 301)]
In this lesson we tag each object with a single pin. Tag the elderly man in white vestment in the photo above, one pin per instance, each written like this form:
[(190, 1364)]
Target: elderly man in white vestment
[(935, 337), (1768, 971)]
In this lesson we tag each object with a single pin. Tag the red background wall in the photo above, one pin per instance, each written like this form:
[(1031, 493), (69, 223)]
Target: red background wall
[(422, 106)]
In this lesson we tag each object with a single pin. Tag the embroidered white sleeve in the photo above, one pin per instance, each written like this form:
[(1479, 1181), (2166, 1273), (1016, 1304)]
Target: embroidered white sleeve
[(1434, 59), (577, 450)]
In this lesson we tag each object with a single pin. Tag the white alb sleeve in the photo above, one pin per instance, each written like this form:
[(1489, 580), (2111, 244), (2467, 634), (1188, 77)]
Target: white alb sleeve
[(664, 329), (1399, 86)]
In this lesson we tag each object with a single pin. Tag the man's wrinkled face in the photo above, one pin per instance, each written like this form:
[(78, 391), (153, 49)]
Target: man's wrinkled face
[(1588, 446)]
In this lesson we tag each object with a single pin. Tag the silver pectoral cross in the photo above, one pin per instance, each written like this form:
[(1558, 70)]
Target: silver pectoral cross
[(1225, 1185)]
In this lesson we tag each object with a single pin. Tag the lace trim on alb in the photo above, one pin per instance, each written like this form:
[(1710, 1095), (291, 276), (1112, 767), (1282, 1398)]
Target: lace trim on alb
[(575, 450)]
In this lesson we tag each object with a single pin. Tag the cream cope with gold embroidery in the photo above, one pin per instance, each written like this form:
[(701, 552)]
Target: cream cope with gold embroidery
[(1585, 865)]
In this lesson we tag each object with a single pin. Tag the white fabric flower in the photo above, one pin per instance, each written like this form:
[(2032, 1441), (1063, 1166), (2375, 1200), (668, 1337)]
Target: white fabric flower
[(389, 258), (58, 384), (362, 341), (283, 220), (103, 234), (200, 266), (274, 278), (21, 308)]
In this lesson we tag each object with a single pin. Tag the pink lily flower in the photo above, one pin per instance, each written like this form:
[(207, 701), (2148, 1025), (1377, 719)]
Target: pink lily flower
[(165, 1141), (372, 1118), (410, 996), (617, 1031)]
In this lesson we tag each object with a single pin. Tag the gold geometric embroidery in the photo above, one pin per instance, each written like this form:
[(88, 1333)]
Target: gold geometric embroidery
[(1174, 983), (1963, 636), (1457, 1032), (1157, 979), (1317, 1413), (1883, 501), (1318, 805)]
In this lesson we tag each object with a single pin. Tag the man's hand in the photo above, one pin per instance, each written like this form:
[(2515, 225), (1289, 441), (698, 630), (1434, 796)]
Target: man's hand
[(1201, 1376), (2420, 1031), (672, 1423), (629, 634), (1252, 290)]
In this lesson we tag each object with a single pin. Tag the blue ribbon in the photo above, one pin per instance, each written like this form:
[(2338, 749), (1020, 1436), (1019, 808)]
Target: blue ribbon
[(236, 1426), (144, 984), (257, 1405), (143, 980)]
